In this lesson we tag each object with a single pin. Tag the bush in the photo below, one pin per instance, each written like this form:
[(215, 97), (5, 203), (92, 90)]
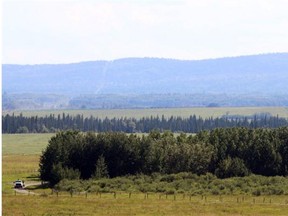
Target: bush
[(161, 187), (94, 188), (215, 191), (170, 191), (256, 192), (255, 185), (59, 173), (231, 167), (68, 185), (22, 130), (146, 187), (101, 170)]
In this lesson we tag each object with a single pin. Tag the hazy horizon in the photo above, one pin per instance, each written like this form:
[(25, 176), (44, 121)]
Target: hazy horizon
[(149, 57), (67, 31)]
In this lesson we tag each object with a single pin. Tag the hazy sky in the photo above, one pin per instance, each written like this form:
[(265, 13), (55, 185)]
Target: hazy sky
[(66, 31)]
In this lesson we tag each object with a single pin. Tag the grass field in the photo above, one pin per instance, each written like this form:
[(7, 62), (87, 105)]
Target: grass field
[(18, 167), (20, 160), (183, 112), (139, 205), (24, 144)]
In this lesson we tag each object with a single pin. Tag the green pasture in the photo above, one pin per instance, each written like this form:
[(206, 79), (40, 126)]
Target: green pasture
[(24, 144), (204, 112), (140, 204)]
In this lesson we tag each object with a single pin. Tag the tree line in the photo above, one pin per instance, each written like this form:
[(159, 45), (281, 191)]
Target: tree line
[(224, 152), (192, 124)]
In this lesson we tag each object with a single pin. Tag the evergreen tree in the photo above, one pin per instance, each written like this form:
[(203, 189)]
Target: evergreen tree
[(101, 170)]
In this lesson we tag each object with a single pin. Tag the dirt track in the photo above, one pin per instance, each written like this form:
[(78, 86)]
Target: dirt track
[(26, 191)]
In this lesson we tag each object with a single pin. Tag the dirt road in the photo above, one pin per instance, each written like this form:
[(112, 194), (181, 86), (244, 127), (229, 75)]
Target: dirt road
[(25, 190)]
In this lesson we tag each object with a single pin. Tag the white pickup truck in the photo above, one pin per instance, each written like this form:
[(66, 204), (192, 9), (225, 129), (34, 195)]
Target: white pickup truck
[(19, 184)]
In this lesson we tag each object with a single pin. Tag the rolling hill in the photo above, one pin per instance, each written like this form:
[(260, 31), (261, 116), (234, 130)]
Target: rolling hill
[(256, 76), (247, 74)]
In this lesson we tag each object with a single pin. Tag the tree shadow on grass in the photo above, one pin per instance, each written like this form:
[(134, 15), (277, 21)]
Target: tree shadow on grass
[(37, 187), (33, 177)]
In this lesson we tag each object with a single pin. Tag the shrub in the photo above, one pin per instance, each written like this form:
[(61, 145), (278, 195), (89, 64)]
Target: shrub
[(180, 191), (231, 167), (22, 130), (170, 191), (215, 191), (256, 192), (93, 188), (171, 177), (101, 170), (255, 185), (59, 173), (68, 185)]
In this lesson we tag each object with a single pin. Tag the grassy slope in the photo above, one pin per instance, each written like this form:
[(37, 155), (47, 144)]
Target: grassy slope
[(21, 161), (183, 112)]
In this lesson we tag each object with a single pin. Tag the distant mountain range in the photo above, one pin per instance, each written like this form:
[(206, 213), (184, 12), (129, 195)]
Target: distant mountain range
[(253, 75), (247, 74)]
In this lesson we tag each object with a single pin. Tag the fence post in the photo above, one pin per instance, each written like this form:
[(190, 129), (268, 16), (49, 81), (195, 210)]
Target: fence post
[(129, 195), (86, 194)]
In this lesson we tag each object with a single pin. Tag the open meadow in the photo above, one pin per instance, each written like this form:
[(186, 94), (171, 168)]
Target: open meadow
[(20, 160), (204, 112), (24, 144)]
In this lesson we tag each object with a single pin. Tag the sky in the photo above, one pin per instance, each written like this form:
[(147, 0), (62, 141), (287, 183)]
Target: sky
[(65, 31)]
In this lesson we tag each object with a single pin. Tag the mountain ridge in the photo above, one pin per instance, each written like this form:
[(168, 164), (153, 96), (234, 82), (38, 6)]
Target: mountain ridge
[(151, 57), (248, 74), (246, 81)]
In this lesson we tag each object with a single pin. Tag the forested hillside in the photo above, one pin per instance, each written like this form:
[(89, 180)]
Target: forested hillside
[(133, 101), (247, 74), (258, 80)]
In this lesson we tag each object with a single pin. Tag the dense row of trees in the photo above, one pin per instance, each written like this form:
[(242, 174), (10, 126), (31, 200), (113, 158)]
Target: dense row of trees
[(192, 124), (223, 152)]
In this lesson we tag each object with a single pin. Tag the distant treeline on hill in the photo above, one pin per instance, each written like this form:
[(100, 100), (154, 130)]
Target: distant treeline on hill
[(51, 123)]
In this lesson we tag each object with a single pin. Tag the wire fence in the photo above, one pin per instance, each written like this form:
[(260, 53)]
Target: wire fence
[(263, 200)]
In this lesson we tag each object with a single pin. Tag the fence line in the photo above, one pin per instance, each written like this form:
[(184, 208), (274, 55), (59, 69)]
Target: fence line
[(261, 200)]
